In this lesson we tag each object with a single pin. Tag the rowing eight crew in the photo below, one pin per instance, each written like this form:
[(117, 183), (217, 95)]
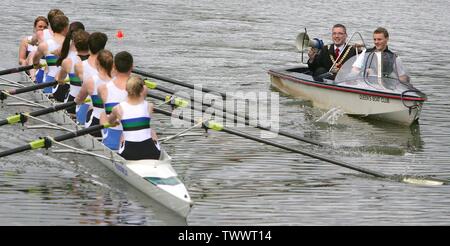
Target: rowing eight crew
[(117, 97)]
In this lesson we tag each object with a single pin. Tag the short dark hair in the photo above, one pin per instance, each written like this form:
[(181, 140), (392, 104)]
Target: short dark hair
[(383, 31), (123, 61), (59, 23), (80, 39), (341, 26), (52, 13), (97, 42)]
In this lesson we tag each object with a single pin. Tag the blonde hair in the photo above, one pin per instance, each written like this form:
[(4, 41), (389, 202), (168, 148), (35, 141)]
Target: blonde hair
[(135, 85)]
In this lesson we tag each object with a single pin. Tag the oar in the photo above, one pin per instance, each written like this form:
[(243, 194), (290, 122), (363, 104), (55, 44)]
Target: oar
[(16, 70), (218, 127), (153, 85), (4, 94), (177, 82), (22, 117), (46, 141)]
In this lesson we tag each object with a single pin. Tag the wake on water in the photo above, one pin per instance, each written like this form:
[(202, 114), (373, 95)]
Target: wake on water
[(332, 116)]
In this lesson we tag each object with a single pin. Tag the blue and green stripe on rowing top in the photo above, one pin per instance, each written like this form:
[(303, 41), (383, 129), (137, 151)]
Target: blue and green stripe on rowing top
[(51, 60), (136, 124), (75, 80), (97, 101), (109, 107)]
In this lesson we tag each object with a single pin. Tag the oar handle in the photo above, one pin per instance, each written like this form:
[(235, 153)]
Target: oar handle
[(15, 70)]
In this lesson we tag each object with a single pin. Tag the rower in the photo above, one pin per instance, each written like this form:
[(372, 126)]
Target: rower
[(27, 50), (140, 141), (68, 48), (42, 36), (60, 26), (114, 93), (90, 87), (47, 33), (79, 51), (88, 68)]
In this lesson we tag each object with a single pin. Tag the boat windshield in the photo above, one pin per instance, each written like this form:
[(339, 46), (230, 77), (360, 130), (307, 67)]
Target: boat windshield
[(379, 71)]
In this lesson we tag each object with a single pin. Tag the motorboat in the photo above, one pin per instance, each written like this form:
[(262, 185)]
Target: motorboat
[(363, 87)]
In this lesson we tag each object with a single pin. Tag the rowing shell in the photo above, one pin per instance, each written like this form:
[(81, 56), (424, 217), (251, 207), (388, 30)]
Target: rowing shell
[(156, 178)]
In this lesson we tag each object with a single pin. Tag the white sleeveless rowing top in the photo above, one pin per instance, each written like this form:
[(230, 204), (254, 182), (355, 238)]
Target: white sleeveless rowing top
[(75, 82), (114, 97), (97, 102), (30, 48), (135, 122), (51, 58), (88, 71), (47, 34)]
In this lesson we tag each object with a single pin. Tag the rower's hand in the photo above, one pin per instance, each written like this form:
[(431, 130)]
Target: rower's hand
[(312, 52), (335, 70), (115, 123)]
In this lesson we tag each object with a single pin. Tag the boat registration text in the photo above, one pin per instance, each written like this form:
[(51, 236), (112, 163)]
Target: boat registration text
[(373, 98)]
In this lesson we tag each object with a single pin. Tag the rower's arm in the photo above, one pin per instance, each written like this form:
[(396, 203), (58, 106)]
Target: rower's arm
[(41, 51), (103, 93), (153, 132), (78, 69), (65, 69), (23, 52), (35, 39), (115, 115), (84, 91)]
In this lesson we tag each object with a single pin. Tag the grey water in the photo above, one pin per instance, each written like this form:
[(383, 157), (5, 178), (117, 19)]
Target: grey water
[(229, 46)]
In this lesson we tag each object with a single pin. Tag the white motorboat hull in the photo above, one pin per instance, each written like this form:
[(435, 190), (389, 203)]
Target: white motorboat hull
[(354, 102)]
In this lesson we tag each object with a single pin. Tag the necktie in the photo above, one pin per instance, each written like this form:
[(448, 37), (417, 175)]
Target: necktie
[(337, 52)]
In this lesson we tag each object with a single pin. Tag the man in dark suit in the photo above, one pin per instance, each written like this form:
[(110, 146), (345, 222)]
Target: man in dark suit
[(322, 61)]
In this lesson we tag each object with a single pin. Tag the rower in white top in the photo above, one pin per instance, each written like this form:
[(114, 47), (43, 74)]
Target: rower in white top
[(88, 68), (114, 93), (60, 26), (90, 88), (140, 141)]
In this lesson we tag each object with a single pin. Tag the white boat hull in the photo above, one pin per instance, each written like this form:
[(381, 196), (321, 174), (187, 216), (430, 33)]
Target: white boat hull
[(355, 103)]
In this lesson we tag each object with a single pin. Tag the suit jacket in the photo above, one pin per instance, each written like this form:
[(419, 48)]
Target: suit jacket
[(322, 62)]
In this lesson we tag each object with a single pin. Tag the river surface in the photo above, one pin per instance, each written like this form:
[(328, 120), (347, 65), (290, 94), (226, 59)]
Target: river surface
[(228, 46)]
